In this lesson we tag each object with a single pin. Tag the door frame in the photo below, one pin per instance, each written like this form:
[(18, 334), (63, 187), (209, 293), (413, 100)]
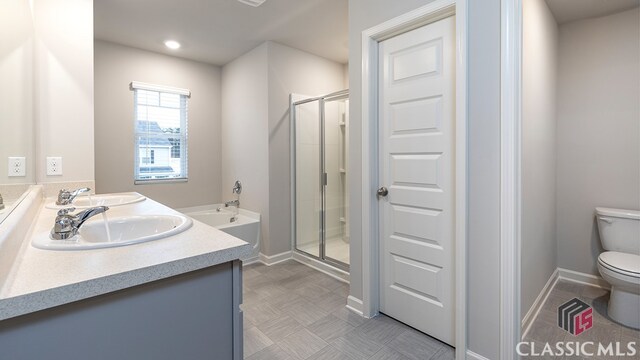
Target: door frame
[(371, 37), (510, 175)]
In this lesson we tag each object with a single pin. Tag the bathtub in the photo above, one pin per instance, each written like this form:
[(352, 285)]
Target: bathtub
[(246, 225)]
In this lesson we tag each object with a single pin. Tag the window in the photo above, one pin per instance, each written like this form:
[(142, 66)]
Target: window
[(160, 118)]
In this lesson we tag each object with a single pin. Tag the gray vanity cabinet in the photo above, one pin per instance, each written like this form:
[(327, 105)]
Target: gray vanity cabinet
[(191, 316)]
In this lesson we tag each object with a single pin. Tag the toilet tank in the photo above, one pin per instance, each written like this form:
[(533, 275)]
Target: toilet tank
[(619, 229)]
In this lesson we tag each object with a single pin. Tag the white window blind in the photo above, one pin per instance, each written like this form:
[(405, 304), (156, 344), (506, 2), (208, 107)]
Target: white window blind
[(160, 123)]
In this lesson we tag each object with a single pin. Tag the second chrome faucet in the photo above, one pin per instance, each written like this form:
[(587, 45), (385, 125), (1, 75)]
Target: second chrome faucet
[(66, 197)]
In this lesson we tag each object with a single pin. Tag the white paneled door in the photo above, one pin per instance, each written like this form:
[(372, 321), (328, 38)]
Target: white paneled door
[(416, 163)]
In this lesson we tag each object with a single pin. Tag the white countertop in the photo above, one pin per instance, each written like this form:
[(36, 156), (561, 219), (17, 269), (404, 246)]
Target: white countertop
[(41, 279), (8, 206)]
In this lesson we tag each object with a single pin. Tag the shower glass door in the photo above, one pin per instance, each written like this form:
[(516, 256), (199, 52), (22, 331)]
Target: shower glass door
[(336, 241), (320, 218), (308, 188)]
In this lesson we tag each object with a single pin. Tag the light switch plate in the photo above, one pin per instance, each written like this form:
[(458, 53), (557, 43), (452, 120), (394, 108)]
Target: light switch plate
[(54, 166), (17, 166)]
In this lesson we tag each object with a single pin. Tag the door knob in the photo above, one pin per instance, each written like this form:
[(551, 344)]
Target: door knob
[(382, 191)]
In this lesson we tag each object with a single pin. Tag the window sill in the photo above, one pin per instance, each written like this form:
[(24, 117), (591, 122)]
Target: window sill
[(160, 181)]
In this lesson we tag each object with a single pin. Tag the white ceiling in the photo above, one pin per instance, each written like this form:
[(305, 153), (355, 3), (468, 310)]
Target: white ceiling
[(218, 31), (570, 10)]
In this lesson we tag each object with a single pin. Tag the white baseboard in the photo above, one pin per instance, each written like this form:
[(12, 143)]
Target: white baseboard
[(582, 278), (274, 259), (354, 304), (251, 260), (533, 312), (322, 267), (473, 356), (558, 274), (313, 263)]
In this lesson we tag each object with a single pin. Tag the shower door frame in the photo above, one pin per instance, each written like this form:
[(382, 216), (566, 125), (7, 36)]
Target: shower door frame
[(338, 95)]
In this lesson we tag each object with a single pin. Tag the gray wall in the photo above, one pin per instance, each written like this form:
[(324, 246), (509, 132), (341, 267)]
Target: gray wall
[(64, 88), (539, 244), (17, 88), (245, 145), (298, 72), (484, 158), (115, 67), (598, 130), (483, 249), (256, 131)]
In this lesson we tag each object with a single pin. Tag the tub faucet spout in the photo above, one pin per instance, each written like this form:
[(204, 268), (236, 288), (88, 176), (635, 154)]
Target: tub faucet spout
[(235, 203)]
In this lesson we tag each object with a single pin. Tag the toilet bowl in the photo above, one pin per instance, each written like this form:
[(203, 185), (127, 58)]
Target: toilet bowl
[(622, 272), (619, 265)]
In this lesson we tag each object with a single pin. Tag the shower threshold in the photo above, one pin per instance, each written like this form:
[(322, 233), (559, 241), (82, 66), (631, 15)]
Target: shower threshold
[(335, 270)]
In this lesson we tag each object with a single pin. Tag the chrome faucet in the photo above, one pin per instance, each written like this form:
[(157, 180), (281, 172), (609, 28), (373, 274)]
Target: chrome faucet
[(237, 189), (235, 203), (67, 225), (66, 197)]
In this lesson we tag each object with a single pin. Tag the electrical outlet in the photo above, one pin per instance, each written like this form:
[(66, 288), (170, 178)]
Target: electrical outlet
[(54, 166), (17, 166)]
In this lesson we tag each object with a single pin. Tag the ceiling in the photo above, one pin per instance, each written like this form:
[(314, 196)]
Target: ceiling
[(218, 31), (570, 10)]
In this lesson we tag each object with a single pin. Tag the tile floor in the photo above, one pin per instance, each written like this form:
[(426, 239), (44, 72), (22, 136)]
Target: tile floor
[(545, 328), (294, 312)]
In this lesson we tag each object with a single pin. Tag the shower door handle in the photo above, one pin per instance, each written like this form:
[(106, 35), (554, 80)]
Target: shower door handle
[(382, 192)]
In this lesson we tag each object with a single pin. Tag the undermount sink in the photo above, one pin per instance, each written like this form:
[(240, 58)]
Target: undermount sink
[(110, 200), (121, 231)]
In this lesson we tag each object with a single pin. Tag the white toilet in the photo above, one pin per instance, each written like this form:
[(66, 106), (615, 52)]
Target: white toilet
[(619, 265)]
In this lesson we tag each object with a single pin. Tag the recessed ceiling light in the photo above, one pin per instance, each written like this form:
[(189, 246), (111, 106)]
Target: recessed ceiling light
[(171, 44), (254, 3)]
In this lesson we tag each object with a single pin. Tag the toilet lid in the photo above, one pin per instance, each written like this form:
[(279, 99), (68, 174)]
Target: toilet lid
[(628, 263)]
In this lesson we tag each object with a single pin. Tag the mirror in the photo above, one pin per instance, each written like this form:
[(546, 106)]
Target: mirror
[(16, 100)]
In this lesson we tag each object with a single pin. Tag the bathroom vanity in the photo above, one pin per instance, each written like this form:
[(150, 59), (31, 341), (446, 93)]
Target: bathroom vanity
[(173, 298)]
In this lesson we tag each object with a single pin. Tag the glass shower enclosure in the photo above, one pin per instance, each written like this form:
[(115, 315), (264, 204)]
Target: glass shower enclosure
[(319, 130)]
